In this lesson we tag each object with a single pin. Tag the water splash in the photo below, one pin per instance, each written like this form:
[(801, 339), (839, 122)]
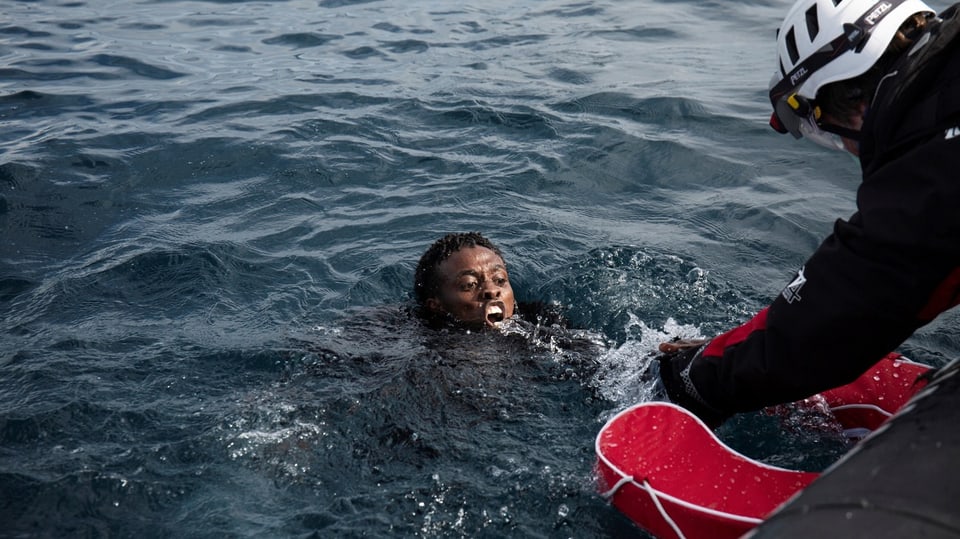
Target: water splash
[(627, 373)]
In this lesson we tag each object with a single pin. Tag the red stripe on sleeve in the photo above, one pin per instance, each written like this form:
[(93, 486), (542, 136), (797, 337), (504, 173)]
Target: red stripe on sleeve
[(736, 335)]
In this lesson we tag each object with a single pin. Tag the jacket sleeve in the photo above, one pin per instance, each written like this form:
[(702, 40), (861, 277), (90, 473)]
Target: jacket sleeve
[(891, 268)]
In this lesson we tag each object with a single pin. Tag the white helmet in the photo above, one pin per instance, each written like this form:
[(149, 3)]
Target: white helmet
[(824, 41)]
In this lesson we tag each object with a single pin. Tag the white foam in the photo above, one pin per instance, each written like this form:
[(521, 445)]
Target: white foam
[(621, 375)]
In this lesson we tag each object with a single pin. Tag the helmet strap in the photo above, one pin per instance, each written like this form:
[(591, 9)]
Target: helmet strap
[(845, 132)]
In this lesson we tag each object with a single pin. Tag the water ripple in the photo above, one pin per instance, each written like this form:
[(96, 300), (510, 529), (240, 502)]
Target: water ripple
[(135, 66), (302, 40), (211, 212)]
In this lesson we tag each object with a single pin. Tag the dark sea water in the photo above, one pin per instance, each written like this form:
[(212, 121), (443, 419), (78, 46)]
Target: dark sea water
[(210, 214)]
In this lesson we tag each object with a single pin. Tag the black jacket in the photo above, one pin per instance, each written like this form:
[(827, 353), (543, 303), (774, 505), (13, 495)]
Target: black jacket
[(888, 270)]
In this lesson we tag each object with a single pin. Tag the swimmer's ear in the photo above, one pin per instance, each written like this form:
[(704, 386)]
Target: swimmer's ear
[(434, 305)]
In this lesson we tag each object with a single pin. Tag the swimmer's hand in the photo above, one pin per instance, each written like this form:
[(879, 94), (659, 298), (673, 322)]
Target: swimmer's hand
[(675, 359), (678, 345)]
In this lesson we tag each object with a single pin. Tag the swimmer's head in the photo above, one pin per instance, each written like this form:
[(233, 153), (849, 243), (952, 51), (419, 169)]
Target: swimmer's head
[(463, 279)]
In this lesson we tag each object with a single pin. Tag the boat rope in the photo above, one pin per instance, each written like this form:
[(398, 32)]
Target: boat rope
[(663, 512), (623, 481)]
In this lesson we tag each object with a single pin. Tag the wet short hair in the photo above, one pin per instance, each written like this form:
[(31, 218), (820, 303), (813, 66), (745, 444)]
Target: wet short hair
[(426, 279)]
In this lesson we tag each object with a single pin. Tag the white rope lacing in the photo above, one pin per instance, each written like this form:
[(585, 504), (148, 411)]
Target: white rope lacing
[(653, 496), (663, 512), (623, 481)]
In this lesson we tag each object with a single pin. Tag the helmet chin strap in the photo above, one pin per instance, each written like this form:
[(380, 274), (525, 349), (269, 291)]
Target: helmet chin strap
[(845, 132)]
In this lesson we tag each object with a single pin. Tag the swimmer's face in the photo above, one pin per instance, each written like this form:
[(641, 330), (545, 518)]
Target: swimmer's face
[(474, 288)]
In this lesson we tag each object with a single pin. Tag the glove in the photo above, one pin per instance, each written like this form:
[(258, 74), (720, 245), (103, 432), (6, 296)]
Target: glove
[(675, 376)]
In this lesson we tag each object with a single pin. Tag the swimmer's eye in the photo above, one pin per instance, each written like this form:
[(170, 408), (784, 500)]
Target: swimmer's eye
[(472, 285), (469, 286)]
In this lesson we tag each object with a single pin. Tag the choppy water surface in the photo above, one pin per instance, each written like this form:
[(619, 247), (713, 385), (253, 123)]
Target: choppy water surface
[(211, 212)]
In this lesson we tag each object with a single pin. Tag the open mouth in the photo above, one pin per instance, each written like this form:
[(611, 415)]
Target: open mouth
[(493, 313)]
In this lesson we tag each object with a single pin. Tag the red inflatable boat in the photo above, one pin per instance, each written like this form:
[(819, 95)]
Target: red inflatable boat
[(667, 471)]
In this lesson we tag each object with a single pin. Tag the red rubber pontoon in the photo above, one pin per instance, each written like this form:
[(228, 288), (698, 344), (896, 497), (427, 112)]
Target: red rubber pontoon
[(666, 470)]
